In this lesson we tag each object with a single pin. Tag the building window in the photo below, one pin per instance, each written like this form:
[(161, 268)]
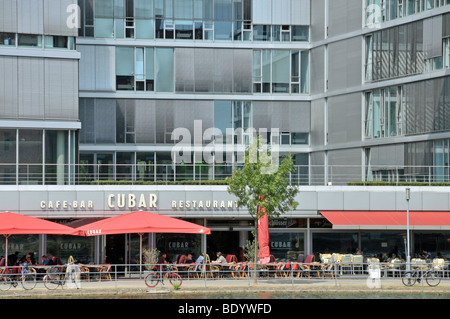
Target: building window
[(125, 68), (384, 113), (136, 69), (277, 33), (394, 52), (299, 138), (7, 39), (30, 40), (86, 18), (233, 117), (378, 11), (56, 42), (280, 71)]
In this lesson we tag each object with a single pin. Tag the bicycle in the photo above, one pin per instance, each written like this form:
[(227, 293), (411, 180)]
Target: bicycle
[(55, 277), (409, 278), (154, 278), (27, 277)]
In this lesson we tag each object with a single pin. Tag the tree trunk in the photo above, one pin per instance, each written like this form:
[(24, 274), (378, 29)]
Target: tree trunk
[(255, 261)]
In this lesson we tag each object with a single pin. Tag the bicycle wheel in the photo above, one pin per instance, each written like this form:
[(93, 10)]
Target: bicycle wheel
[(432, 279), (52, 281), (409, 279), (5, 283), (152, 279), (28, 281), (175, 279)]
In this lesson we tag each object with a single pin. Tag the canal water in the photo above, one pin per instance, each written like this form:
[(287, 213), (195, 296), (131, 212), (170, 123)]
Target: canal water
[(282, 295)]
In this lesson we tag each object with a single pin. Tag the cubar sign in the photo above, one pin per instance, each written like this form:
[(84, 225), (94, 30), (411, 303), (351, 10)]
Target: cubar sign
[(132, 201)]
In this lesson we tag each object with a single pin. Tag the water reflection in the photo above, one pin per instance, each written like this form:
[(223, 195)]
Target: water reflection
[(301, 295)]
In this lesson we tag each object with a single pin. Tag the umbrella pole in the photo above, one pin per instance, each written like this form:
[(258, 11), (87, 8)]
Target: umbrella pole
[(6, 250), (140, 255)]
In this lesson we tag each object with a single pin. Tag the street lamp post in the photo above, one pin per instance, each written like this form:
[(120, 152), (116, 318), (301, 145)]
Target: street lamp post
[(408, 250)]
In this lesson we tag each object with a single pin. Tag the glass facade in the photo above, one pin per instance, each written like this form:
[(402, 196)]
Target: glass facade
[(378, 11), (80, 248), (39, 156), (332, 94), (204, 20)]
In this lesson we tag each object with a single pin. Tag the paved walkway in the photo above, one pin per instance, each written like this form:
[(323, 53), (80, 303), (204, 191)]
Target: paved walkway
[(135, 288)]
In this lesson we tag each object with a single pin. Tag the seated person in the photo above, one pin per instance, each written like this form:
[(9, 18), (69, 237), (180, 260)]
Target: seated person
[(220, 259)]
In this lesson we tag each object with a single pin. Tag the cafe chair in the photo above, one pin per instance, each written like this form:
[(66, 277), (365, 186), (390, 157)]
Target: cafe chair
[(105, 272), (358, 263), (395, 267), (419, 264), (84, 275), (304, 269), (192, 271), (346, 263), (327, 271), (243, 271), (231, 259), (281, 270)]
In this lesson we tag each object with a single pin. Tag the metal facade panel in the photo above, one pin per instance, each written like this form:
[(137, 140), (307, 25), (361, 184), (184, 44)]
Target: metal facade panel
[(31, 87), (281, 12), (105, 68), (317, 70), (432, 37), (87, 65), (242, 71), (262, 11), (344, 64), (356, 200), (317, 132), (8, 87), (344, 165), (56, 14), (344, 118), (317, 20), (300, 12), (61, 89), (392, 154), (8, 15), (184, 69), (435, 201), (344, 16), (382, 200), (145, 121), (30, 16), (105, 114)]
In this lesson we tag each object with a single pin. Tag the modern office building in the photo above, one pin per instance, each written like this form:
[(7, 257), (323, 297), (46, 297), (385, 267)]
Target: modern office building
[(168, 91)]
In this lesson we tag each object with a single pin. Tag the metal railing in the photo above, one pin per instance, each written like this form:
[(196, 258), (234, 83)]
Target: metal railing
[(281, 272), (97, 174)]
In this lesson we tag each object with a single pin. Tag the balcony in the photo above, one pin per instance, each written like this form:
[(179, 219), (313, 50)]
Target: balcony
[(215, 174)]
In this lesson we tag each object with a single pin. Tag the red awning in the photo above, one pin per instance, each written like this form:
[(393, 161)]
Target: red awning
[(388, 220)]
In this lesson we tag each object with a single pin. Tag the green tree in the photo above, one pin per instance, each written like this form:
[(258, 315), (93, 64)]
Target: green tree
[(262, 185)]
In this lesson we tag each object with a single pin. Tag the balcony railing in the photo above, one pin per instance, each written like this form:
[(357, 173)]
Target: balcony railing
[(88, 174)]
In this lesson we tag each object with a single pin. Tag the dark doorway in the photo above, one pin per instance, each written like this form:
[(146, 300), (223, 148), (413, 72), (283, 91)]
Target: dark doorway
[(115, 249), (227, 242)]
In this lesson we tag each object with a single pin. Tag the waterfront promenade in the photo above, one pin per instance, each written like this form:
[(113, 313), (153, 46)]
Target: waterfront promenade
[(239, 289)]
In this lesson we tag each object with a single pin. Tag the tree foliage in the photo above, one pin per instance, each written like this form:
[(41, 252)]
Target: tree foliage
[(264, 183)]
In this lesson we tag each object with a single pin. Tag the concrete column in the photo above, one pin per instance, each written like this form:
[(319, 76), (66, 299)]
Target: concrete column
[(60, 157)]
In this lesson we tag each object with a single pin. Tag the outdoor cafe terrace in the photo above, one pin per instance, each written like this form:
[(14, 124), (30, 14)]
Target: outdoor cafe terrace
[(329, 266)]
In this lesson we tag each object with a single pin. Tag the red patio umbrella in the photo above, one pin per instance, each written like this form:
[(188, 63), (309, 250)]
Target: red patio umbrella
[(17, 224), (140, 222), (263, 238)]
